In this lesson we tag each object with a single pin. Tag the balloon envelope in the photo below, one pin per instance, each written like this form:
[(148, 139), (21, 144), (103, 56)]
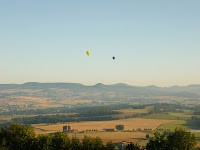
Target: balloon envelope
[(88, 53), (113, 58)]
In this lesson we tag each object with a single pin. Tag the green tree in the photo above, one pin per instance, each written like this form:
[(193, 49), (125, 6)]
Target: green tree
[(17, 137), (98, 143), (119, 127), (181, 140), (75, 144), (158, 142), (110, 146), (147, 136), (43, 142), (131, 146), (178, 140), (60, 141), (89, 143)]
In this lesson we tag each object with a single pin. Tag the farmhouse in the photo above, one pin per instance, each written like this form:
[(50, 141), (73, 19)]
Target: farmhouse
[(67, 129), (70, 131), (108, 130)]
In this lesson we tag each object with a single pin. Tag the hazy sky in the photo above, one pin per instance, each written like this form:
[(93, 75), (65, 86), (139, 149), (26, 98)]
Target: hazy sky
[(154, 41)]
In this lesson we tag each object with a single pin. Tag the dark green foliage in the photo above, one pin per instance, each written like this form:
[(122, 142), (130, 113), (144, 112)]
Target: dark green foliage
[(193, 118), (181, 139), (178, 140), (147, 136), (75, 144), (159, 142), (90, 143), (131, 146), (194, 123), (98, 112), (119, 127), (61, 118), (18, 137), (43, 142), (60, 141), (110, 146), (163, 107), (196, 113)]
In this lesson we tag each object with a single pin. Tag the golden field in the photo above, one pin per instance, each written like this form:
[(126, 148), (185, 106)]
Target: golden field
[(114, 136), (129, 124)]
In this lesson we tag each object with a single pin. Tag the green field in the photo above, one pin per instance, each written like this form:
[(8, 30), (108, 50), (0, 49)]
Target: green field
[(130, 112), (161, 116), (182, 116), (173, 125), (179, 123)]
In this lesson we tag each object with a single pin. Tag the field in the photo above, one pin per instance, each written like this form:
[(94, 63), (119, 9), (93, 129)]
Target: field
[(179, 123), (161, 116), (130, 112), (129, 124), (114, 136), (9, 117), (173, 125)]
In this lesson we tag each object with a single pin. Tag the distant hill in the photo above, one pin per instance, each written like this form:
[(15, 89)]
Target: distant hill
[(195, 88), (119, 89)]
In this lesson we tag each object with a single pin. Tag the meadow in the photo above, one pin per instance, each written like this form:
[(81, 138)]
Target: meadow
[(173, 125)]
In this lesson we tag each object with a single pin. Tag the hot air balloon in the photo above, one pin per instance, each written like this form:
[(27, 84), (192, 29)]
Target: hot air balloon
[(113, 57), (88, 53)]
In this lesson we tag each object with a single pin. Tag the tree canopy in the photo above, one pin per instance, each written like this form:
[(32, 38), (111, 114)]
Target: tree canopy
[(178, 140)]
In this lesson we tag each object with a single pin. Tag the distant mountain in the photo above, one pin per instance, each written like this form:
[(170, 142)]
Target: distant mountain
[(100, 85), (185, 94), (119, 89), (34, 85), (190, 89)]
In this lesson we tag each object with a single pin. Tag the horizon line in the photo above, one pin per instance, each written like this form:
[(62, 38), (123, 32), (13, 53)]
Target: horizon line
[(103, 84)]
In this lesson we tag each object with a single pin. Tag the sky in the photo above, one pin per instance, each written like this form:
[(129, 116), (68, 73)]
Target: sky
[(155, 42)]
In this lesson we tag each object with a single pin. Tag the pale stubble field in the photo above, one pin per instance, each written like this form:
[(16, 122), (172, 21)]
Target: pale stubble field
[(129, 124)]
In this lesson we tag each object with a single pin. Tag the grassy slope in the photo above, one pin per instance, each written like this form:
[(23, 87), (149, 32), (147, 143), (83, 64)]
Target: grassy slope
[(173, 125), (160, 116)]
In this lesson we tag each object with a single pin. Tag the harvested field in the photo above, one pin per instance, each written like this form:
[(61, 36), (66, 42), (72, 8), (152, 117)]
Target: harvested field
[(129, 124), (114, 136)]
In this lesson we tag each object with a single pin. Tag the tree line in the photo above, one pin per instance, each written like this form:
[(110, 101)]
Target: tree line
[(100, 114), (19, 137), (158, 108)]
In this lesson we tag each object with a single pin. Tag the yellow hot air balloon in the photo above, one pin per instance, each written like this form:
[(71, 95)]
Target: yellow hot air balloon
[(88, 53)]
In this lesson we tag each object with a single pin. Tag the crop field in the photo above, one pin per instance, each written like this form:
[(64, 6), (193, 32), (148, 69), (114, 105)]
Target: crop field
[(188, 112), (173, 125), (129, 124), (181, 115), (161, 116), (179, 123), (130, 112), (114, 136)]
